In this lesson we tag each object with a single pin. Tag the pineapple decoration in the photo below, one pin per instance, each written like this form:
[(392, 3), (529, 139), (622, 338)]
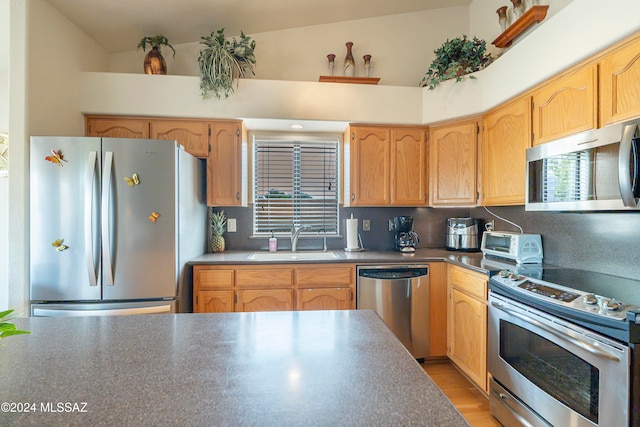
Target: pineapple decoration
[(218, 228)]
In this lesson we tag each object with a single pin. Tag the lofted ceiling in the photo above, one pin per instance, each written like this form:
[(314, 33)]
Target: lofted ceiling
[(118, 25)]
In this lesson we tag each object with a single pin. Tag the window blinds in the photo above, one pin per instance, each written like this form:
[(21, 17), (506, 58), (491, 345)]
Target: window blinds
[(295, 182), (567, 177)]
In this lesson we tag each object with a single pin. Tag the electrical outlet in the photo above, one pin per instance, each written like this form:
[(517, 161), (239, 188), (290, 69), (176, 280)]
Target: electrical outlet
[(366, 225), (231, 225), (489, 225), (390, 225)]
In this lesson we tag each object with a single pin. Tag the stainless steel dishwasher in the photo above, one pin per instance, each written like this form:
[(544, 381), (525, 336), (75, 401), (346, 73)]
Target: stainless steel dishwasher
[(400, 296)]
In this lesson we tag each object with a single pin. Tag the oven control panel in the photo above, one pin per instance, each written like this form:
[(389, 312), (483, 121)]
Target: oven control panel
[(571, 298)]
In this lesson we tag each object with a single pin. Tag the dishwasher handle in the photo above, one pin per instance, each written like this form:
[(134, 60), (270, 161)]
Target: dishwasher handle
[(393, 273)]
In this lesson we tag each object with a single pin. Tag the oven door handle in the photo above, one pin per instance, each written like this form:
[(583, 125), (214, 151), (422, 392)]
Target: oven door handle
[(559, 334)]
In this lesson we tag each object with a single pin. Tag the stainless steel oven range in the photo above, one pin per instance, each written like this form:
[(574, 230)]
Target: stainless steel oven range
[(563, 349)]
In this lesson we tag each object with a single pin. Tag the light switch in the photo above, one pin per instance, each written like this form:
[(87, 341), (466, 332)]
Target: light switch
[(231, 225), (366, 225)]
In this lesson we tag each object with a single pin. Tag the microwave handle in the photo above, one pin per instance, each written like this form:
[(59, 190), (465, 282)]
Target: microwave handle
[(624, 167)]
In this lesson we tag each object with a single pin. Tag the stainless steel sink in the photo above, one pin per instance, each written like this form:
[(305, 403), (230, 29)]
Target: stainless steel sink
[(293, 256)]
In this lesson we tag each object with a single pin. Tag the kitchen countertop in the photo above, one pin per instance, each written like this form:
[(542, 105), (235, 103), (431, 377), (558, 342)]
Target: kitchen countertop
[(274, 368), (472, 260)]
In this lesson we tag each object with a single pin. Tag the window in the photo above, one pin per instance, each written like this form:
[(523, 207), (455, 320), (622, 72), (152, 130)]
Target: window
[(295, 182)]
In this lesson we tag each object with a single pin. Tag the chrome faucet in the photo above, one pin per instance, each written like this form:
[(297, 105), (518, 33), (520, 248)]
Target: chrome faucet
[(295, 233)]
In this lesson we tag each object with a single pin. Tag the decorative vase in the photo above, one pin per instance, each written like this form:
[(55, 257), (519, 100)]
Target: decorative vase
[(332, 64), (154, 62), (502, 17), (518, 8), (349, 63), (367, 65)]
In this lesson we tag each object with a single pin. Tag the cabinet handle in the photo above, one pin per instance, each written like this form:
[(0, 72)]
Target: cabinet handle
[(353, 135), (353, 196), (238, 195)]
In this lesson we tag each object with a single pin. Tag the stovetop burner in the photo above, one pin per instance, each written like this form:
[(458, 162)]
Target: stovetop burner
[(607, 304)]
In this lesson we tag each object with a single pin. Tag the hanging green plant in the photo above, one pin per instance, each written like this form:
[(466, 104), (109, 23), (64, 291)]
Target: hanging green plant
[(221, 61), (455, 59)]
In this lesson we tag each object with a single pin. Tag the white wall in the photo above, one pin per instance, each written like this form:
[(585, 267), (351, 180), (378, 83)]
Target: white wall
[(46, 57), (575, 32), (483, 19), (4, 128), (401, 47)]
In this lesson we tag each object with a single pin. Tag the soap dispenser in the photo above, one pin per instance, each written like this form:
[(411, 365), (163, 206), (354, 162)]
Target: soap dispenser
[(273, 243)]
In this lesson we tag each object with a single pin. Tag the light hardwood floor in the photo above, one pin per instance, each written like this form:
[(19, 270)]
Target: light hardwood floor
[(471, 403)]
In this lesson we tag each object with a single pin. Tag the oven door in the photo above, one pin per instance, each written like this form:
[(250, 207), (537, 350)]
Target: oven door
[(567, 375)]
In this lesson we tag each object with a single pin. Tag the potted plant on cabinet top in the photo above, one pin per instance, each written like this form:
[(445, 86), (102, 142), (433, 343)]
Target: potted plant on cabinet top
[(455, 59), (154, 62), (221, 61)]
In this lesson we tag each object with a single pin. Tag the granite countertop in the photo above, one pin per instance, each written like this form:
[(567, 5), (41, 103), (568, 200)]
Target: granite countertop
[(323, 368), (472, 260)]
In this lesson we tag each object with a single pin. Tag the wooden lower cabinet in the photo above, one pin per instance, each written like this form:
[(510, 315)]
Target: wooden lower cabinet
[(214, 302), (323, 299), (467, 323), (281, 287), (264, 300)]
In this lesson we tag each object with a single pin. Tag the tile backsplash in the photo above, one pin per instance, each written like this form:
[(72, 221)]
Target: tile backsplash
[(603, 242)]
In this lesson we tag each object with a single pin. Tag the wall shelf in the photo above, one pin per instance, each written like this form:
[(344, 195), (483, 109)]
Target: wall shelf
[(358, 80), (533, 15)]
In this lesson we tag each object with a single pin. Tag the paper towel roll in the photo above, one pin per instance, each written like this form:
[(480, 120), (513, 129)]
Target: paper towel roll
[(352, 233)]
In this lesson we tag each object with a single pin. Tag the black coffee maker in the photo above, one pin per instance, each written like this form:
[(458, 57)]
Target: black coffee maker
[(405, 239)]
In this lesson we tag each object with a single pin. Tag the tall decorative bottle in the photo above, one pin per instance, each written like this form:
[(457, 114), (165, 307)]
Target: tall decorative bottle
[(349, 63)]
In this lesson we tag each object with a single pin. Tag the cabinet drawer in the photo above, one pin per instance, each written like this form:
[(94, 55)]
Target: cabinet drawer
[(213, 278), (329, 276), (269, 277), (470, 282)]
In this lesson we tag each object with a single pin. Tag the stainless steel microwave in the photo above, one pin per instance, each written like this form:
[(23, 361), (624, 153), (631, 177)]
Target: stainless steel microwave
[(594, 170)]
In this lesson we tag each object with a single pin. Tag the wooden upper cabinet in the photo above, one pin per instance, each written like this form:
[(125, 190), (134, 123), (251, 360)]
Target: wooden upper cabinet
[(224, 165), (116, 127), (506, 137), (566, 105), (193, 135), (620, 83), (453, 159), (369, 152), (408, 167)]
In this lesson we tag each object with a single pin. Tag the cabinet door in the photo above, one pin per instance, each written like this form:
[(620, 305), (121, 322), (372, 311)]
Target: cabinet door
[(467, 336), (265, 300), (224, 165), (507, 135), (116, 127), (193, 135), (369, 170), (620, 83), (565, 106), (214, 302), (408, 167), (323, 299), (453, 159)]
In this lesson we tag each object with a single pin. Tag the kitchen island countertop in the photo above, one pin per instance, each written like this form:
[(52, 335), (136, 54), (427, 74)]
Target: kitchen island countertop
[(275, 368)]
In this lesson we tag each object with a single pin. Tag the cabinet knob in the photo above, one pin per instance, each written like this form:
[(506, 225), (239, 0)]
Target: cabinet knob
[(353, 196), (238, 195)]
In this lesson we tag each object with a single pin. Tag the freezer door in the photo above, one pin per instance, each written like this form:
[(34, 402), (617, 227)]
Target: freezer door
[(139, 233), (64, 219)]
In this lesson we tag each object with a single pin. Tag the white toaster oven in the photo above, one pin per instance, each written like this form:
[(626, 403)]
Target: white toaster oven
[(521, 248)]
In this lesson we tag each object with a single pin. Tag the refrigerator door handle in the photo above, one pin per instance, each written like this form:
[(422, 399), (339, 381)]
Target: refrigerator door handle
[(88, 216), (106, 218), (43, 312)]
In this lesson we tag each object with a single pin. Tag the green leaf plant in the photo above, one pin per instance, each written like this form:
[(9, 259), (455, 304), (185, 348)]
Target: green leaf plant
[(455, 59), (221, 61), (7, 328)]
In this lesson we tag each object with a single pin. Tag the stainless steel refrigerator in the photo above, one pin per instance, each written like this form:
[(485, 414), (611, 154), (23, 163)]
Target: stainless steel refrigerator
[(112, 224)]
